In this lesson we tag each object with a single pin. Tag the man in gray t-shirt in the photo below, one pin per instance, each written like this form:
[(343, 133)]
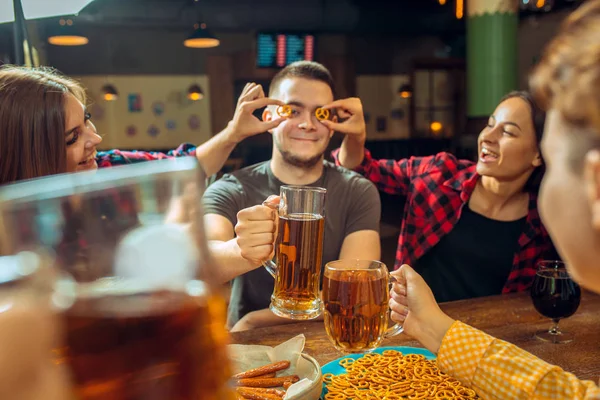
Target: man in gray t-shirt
[(241, 229), (352, 205)]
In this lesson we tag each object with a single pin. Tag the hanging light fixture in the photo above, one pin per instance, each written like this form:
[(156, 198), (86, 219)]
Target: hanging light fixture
[(460, 9), (109, 92), (195, 92), (201, 38), (67, 35), (405, 91)]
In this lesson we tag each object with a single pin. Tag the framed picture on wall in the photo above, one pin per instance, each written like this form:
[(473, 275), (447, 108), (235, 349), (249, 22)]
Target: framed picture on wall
[(134, 102)]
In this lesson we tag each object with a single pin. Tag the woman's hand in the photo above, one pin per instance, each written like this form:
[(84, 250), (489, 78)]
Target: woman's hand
[(413, 305)]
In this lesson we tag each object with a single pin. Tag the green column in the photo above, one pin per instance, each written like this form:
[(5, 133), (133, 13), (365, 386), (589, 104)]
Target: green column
[(491, 53)]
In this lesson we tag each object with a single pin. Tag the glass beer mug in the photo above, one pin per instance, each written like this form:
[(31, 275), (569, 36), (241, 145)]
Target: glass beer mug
[(298, 253), (356, 294), (140, 318)]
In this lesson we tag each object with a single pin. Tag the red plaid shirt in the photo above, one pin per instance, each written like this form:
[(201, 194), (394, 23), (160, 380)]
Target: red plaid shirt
[(436, 188), (115, 157)]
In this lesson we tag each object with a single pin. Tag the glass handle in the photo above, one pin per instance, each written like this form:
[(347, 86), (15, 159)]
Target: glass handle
[(272, 206), (396, 329), (271, 267)]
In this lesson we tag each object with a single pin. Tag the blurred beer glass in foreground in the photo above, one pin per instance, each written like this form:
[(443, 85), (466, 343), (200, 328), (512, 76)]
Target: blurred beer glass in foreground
[(139, 315)]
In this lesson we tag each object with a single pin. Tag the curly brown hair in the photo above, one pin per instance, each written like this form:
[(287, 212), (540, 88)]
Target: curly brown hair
[(32, 121), (567, 79)]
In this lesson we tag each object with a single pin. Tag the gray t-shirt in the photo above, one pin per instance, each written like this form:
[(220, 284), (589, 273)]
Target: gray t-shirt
[(352, 204)]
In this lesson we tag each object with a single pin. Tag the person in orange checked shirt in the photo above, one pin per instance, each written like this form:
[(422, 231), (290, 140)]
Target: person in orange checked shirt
[(567, 84)]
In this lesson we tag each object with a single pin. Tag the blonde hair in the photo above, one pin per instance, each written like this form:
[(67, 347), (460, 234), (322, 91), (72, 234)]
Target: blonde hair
[(567, 79)]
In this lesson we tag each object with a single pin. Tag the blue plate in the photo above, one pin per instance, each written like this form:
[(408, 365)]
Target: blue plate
[(335, 368)]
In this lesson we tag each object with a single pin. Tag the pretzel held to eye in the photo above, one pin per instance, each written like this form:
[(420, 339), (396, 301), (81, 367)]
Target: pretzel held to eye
[(322, 114), (284, 111)]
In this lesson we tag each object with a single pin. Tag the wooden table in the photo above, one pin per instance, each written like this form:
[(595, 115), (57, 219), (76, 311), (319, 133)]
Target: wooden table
[(508, 317)]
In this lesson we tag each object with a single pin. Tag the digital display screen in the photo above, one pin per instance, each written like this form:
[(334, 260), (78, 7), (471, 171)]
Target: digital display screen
[(276, 50)]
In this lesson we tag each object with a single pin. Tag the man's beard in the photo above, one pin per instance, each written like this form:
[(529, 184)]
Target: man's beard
[(296, 161)]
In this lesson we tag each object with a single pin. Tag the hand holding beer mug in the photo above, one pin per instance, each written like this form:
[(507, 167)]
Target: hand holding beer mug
[(356, 295), (298, 253), (29, 331), (143, 321)]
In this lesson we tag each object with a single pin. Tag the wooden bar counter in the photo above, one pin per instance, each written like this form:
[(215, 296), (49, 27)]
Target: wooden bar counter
[(508, 317)]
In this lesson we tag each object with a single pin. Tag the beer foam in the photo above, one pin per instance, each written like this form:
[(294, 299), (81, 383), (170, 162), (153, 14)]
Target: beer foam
[(9, 266), (18, 266), (157, 256), (113, 286)]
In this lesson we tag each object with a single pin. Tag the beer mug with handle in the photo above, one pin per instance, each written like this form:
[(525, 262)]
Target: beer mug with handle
[(140, 317), (356, 294), (298, 252)]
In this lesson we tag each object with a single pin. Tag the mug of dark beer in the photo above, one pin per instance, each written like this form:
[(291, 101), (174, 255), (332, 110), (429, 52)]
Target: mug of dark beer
[(298, 253), (356, 297), (139, 314)]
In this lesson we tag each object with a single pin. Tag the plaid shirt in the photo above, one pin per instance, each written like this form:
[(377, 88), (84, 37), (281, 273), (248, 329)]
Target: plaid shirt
[(436, 188), (115, 157), (496, 369)]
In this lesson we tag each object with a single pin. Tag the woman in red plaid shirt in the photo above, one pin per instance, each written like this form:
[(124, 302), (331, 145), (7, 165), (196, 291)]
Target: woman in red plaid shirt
[(470, 228), (567, 84)]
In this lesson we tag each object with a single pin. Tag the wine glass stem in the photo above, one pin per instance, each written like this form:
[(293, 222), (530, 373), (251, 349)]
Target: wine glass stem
[(554, 329)]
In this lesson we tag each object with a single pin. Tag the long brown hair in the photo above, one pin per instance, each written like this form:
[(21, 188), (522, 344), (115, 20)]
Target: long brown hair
[(32, 121), (538, 118)]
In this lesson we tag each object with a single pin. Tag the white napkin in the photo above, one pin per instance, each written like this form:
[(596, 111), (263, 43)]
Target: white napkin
[(245, 357)]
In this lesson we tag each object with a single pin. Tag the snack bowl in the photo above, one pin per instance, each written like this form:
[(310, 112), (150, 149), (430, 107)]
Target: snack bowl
[(309, 385), (312, 389)]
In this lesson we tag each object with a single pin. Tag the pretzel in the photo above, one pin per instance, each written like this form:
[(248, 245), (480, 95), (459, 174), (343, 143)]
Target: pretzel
[(393, 376), (253, 394), (269, 375), (267, 382), (284, 111), (322, 114), (265, 369)]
